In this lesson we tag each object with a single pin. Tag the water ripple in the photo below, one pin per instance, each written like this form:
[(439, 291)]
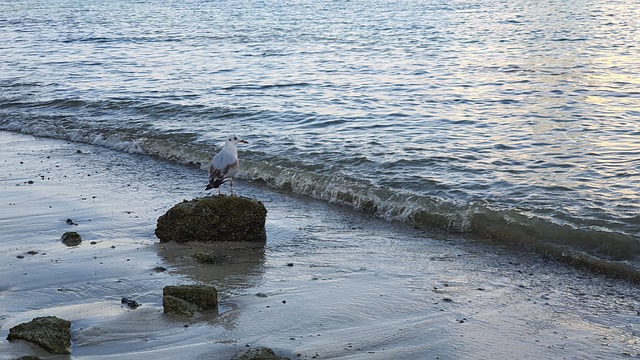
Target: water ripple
[(480, 110)]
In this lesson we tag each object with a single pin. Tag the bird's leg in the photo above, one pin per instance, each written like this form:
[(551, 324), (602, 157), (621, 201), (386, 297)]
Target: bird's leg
[(219, 193), (231, 185)]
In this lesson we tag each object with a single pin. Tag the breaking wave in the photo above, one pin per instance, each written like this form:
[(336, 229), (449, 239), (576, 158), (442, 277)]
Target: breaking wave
[(580, 244)]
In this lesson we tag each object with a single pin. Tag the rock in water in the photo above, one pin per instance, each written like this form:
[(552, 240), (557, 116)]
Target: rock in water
[(258, 353), (177, 306), (186, 299), (214, 218), (130, 303), (50, 333)]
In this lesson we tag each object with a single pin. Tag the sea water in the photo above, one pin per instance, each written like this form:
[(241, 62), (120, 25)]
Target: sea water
[(515, 121)]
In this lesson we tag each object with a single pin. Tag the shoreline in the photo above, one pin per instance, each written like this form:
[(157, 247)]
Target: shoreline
[(338, 284)]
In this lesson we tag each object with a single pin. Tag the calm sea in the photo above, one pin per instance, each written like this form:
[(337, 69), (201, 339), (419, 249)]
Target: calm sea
[(513, 120)]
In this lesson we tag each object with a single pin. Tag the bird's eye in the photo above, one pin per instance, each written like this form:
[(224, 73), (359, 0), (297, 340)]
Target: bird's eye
[(235, 138)]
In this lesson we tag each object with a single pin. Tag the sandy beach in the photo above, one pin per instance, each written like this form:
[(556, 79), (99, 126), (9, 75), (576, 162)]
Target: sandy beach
[(329, 284)]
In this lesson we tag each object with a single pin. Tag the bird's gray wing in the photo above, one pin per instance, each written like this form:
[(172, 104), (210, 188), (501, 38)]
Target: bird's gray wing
[(221, 173)]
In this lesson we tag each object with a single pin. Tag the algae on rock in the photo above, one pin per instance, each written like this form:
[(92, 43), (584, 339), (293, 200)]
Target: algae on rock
[(187, 299), (177, 306), (214, 218), (51, 333)]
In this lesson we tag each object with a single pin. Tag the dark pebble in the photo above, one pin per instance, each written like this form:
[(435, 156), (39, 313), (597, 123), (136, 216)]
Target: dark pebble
[(130, 303)]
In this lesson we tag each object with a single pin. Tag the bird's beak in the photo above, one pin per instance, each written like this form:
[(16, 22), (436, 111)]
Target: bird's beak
[(244, 141)]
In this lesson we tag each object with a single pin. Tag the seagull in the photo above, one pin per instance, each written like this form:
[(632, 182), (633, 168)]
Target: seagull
[(225, 164)]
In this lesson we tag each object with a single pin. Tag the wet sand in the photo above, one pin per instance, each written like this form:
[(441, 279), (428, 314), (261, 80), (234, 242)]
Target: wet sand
[(329, 284)]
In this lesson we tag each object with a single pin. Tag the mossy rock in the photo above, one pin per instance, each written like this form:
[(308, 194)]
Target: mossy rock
[(51, 333), (71, 238), (258, 353), (204, 297), (214, 218), (177, 306)]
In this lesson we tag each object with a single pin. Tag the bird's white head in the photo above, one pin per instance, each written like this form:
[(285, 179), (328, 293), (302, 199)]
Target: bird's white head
[(233, 139)]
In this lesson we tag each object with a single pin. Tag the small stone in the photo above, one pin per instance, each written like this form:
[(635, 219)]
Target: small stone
[(71, 238), (130, 303)]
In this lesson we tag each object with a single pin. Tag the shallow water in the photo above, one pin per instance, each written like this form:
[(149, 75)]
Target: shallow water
[(508, 120), (338, 284)]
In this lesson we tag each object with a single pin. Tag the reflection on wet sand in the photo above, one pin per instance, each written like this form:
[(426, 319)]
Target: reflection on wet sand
[(229, 266)]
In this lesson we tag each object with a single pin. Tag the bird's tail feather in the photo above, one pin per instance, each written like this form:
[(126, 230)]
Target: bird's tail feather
[(215, 183)]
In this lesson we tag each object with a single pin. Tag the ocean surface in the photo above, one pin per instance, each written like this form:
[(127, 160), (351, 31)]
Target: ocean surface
[(515, 121)]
